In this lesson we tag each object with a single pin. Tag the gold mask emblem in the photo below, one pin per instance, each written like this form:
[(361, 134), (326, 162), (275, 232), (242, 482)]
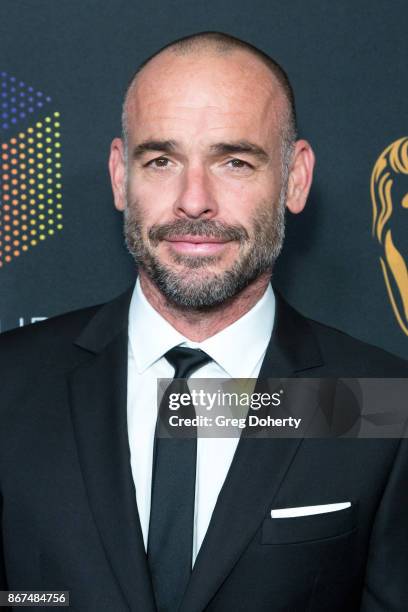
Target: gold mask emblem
[(389, 201)]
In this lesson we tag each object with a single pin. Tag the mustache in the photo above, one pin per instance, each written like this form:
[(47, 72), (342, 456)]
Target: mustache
[(199, 227)]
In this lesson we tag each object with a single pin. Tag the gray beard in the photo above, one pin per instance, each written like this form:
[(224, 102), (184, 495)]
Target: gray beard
[(190, 289)]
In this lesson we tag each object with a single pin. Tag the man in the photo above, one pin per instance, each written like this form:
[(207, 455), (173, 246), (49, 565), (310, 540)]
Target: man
[(92, 500)]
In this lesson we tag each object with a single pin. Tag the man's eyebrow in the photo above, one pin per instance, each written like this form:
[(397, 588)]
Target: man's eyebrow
[(240, 146), (164, 146), (219, 148)]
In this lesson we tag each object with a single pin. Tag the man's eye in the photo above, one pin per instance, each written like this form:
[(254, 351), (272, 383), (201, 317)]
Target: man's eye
[(239, 163), (159, 162)]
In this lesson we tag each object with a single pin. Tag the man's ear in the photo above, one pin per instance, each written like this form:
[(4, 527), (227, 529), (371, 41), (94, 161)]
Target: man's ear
[(300, 176), (117, 171)]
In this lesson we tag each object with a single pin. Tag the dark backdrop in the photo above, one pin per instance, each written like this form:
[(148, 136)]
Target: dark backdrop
[(73, 58)]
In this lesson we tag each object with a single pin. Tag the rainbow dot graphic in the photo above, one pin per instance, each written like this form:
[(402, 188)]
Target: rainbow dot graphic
[(30, 169), (18, 101), (30, 183)]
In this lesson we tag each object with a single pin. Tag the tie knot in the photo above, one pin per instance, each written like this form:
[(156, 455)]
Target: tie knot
[(186, 360)]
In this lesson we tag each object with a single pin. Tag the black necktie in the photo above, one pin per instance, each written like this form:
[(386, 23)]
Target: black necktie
[(170, 541)]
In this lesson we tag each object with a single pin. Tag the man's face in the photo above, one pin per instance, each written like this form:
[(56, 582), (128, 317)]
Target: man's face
[(202, 188)]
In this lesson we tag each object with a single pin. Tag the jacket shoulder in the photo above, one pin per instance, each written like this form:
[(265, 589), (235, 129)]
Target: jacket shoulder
[(44, 340), (53, 344), (356, 355)]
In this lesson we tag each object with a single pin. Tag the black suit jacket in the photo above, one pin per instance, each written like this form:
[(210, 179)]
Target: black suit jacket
[(68, 511)]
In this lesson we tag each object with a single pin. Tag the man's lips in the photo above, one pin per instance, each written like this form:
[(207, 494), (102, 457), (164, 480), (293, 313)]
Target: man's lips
[(197, 245), (197, 239)]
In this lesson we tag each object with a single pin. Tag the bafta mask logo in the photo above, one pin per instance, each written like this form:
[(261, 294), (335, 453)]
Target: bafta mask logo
[(389, 194)]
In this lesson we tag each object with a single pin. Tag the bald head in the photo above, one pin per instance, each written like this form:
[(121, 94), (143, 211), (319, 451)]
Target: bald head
[(223, 46)]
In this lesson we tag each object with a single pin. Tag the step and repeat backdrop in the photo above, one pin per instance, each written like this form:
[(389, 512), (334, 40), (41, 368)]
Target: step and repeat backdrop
[(64, 67)]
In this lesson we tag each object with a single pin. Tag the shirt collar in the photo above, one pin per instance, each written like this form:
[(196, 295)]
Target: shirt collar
[(237, 348)]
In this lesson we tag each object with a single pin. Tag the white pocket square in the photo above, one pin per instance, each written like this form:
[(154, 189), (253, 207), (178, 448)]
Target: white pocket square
[(308, 510)]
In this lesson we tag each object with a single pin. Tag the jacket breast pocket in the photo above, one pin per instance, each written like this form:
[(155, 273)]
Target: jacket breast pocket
[(309, 528)]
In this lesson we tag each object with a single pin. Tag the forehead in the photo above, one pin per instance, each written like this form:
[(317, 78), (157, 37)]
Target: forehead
[(205, 95)]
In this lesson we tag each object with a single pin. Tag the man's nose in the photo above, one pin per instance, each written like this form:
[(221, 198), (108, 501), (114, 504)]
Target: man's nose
[(196, 198)]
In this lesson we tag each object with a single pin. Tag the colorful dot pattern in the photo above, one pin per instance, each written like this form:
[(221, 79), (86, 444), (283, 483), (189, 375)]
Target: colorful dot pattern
[(18, 100), (30, 188)]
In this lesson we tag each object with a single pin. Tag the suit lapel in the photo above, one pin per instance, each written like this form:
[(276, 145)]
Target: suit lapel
[(98, 394), (258, 468)]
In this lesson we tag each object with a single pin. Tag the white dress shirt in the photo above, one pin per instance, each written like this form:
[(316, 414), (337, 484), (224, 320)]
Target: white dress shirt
[(237, 352)]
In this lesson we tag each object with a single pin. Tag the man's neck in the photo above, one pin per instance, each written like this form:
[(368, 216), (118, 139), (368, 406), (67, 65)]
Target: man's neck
[(199, 325)]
